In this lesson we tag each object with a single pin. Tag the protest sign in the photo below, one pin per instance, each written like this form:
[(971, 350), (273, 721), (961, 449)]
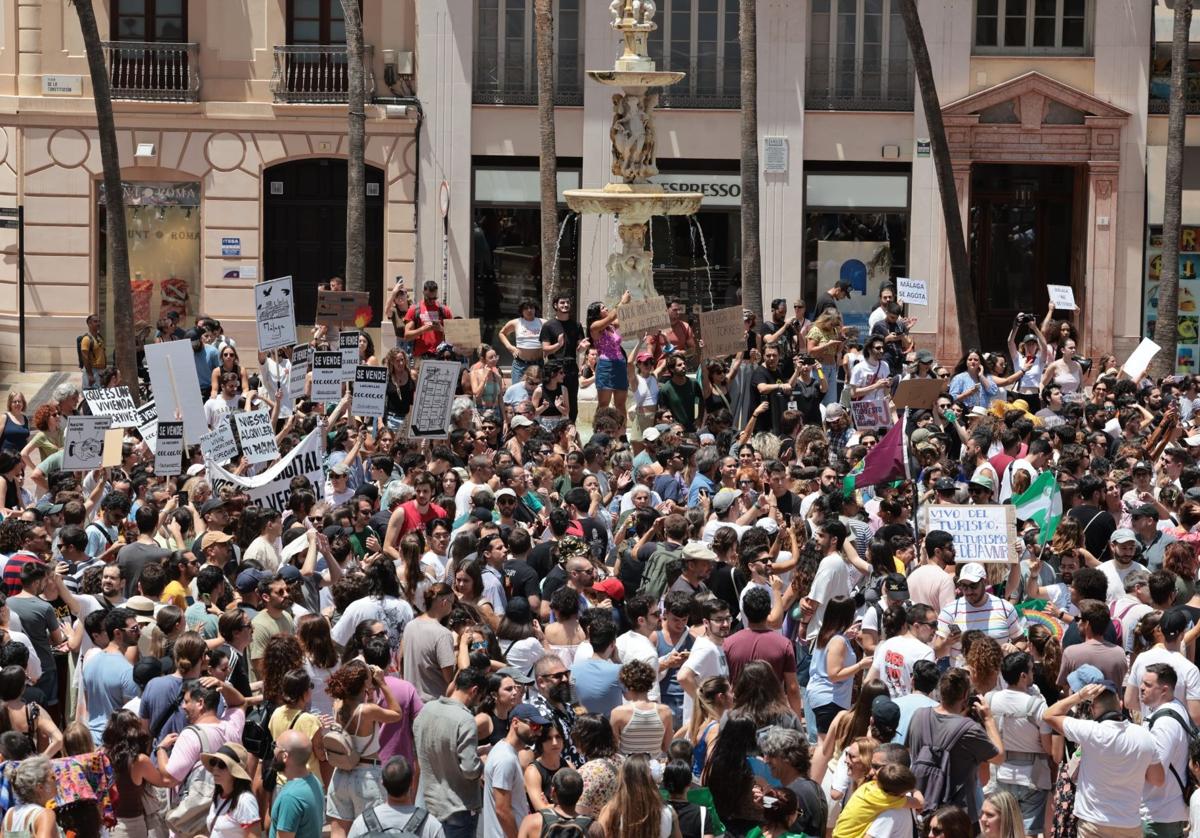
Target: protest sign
[(1140, 359), (258, 440), (370, 391), (168, 449), (219, 444), (274, 313), (870, 415), (984, 533), (327, 376), (115, 403), (272, 488), (301, 360), (919, 392), (114, 444), (344, 309), (644, 316), (723, 332), (348, 343), (462, 334), (148, 423), (83, 442), (913, 291), (172, 368), (1062, 296), (434, 396)]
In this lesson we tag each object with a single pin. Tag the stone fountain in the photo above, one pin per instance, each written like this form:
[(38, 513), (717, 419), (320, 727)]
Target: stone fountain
[(632, 198)]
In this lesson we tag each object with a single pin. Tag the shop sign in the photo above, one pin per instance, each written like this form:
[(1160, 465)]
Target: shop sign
[(158, 194), (231, 246), (62, 85), (718, 190)]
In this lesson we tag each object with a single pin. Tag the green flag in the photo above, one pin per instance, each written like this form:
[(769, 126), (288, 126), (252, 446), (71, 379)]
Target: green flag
[(1042, 504)]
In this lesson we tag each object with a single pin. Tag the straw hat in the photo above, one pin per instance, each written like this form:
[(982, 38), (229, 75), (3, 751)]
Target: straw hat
[(235, 758)]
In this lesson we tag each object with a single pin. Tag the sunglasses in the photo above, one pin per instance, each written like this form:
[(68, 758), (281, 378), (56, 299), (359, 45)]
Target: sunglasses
[(217, 765)]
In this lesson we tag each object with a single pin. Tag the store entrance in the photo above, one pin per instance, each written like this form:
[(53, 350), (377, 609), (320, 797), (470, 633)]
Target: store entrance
[(1022, 239), (304, 229)]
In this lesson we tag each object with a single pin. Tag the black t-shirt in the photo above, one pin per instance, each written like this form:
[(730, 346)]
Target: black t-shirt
[(726, 588), (632, 568), (823, 302), (596, 537), (771, 420), (788, 504), (522, 579), (553, 329), (554, 580), (1095, 532), (541, 558)]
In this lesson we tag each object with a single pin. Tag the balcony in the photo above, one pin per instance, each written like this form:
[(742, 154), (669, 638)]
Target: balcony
[(858, 85), (489, 92), (317, 74), (683, 99), (153, 72)]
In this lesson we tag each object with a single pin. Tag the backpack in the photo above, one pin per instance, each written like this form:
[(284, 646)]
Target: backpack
[(555, 825), (256, 735), (654, 575), (340, 751), (189, 816), (931, 764), (1186, 788), (79, 349), (375, 829)]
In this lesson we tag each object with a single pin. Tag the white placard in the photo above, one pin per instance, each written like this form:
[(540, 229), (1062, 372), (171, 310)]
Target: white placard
[(274, 313), (434, 396), (83, 443), (1063, 297), (348, 343), (114, 402), (327, 376), (168, 449), (258, 440), (912, 291), (301, 360), (172, 368), (148, 423), (981, 533), (272, 488), (219, 444), (1139, 360), (370, 391), (870, 415)]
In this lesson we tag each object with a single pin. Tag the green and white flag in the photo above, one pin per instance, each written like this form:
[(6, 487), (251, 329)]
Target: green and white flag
[(1042, 504)]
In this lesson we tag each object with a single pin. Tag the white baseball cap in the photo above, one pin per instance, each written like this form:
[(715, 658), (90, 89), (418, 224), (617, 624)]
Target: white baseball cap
[(972, 572)]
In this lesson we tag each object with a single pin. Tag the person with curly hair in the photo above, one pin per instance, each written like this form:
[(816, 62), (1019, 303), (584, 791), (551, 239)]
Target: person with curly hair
[(127, 745), (283, 653), (983, 659), (641, 726), (33, 781)]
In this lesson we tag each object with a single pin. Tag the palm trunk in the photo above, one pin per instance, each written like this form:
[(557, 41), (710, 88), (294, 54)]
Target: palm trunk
[(356, 197), (114, 196), (956, 244), (751, 256), (548, 163), (1167, 320)]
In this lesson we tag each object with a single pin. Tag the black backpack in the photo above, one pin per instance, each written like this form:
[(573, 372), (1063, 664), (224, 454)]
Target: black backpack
[(931, 763), (555, 825), (1188, 786), (375, 829)]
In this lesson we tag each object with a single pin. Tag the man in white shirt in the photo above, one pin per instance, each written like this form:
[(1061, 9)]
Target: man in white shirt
[(225, 400), (894, 657), (1019, 708), (1166, 650), (1132, 605), (707, 658), (870, 380), (1124, 547), (1038, 458), (832, 577), (481, 472), (642, 612), (1165, 806)]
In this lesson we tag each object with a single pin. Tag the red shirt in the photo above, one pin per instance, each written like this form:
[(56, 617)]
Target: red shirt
[(426, 343), (770, 647), (414, 520)]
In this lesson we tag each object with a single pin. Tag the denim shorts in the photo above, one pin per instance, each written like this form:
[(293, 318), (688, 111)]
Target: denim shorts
[(612, 374)]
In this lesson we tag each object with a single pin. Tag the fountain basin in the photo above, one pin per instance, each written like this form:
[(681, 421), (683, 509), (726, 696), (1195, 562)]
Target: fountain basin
[(633, 203), (636, 78)]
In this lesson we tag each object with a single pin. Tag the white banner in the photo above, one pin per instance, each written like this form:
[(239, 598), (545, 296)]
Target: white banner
[(370, 391), (436, 383), (258, 440), (301, 360), (83, 444), (348, 343), (271, 488), (168, 449), (114, 402), (274, 313), (327, 376)]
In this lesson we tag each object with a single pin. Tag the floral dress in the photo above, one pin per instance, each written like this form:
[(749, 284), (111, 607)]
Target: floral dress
[(599, 781)]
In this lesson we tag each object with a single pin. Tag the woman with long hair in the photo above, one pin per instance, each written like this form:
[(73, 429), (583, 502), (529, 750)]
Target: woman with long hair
[(414, 582), (1066, 373), (847, 726), (834, 665), (729, 776), (126, 743), (640, 725), (296, 689), (355, 686), (637, 809), (547, 761), (234, 811), (400, 388), (27, 718), (494, 708), (13, 496), (983, 658), (320, 659), (230, 363), (1000, 817), (48, 425), (971, 385), (1047, 660), (16, 424), (593, 738), (159, 639), (520, 635), (468, 585), (949, 822), (366, 349), (604, 331), (714, 699), (824, 341), (758, 694), (383, 603), (487, 382), (282, 654)]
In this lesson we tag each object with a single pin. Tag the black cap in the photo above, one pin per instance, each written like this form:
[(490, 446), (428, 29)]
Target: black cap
[(211, 504), (896, 585), (1174, 622), (1144, 510), (945, 484)]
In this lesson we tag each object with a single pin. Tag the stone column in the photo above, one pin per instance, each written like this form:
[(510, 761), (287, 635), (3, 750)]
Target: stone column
[(1100, 302), (29, 47)]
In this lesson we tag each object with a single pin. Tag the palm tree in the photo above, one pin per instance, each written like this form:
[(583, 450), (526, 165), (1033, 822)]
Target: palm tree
[(956, 243), (1167, 320), (543, 11), (751, 256), (114, 196), (356, 187)]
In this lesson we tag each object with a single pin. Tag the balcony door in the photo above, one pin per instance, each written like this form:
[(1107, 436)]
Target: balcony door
[(316, 34), (858, 56), (147, 56), (149, 21)]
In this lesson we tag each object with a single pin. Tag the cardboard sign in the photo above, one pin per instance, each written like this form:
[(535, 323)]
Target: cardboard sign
[(434, 396), (1140, 359), (1063, 297), (148, 423), (723, 332), (644, 316), (327, 376), (273, 487), (870, 415), (914, 291), (462, 334), (348, 344), (168, 449), (274, 313), (344, 309), (115, 403), (984, 533), (258, 439), (83, 442), (370, 391), (301, 361), (919, 392), (176, 389), (114, 444), (219, 444)]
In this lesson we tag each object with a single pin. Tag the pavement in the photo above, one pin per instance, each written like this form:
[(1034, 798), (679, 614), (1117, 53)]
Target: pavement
[(37, 386)]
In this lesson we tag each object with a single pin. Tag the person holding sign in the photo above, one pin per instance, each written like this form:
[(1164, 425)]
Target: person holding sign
[(423, 322), (400, 388), (276, 369), (1031, 356), (604, 330)]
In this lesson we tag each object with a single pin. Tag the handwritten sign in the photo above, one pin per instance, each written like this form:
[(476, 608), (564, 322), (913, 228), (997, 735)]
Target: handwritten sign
[(1140, 359), (327, 376), (462, 334), (723, 332), (83, 443), (258, 439), (434, 396), (870, 415), (348, 344), (301, 360), (914, 291), (168, 449), (344, 309), (370, 391), (644, 316), (274, 313), (219, 444), (1062, 296), (984, 533), (148, 423), (115, 403)]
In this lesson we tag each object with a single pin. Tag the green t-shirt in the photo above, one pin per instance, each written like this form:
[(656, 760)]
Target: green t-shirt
[(299, 808), (758, 833)]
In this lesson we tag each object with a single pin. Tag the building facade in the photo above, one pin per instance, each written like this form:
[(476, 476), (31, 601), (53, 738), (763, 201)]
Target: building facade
[(232, 127)]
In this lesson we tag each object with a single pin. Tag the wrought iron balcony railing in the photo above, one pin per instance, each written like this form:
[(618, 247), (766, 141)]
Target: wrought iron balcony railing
[(317, 73), (858, 85), (153, 72)]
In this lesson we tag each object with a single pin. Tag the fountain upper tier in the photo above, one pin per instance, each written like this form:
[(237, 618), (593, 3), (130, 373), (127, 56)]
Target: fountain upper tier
[(636, 79), (633, 203)]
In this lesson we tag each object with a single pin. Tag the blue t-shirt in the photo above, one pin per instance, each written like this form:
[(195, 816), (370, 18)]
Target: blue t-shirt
[(299, 808), (597, 686), (207, 360), (197, 612), (108, 683)]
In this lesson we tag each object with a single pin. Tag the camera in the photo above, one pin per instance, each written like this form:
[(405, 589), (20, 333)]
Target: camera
[(1084, 363), (1024, 318)]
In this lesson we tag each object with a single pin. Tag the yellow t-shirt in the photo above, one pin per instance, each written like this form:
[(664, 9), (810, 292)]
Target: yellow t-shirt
[(175, 594), (308, 724), (92, 349), (864, 806)]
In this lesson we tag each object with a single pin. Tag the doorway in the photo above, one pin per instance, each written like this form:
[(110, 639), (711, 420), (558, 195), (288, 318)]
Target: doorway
[(1021, 240), (304, 229)]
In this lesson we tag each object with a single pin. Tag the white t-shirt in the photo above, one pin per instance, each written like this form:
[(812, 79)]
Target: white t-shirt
[(393, 613), (1006, 478), (864, 375), (216, 407), (710, 529), (1116, 577), (832, 579), (894, 659), (1019, 718), (230, 819), (1187, 687), (633, 646), (893, 823), (706, 660), (1115, 756), (1165, 804)]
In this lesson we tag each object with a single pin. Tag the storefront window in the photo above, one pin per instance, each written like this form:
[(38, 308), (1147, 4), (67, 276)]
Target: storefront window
[(1187, 353), (163, 225)]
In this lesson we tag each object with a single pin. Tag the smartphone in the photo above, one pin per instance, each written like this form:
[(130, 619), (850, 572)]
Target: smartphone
[(182, 497)]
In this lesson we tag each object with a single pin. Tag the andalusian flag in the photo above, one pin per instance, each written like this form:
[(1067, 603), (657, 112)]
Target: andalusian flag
[(886, 462), (1042, 504)]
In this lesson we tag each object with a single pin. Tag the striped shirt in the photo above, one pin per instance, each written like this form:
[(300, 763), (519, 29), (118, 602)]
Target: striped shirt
[(995, 617)]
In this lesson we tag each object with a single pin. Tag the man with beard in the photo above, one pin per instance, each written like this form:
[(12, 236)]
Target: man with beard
[(708, 656), (1057, 594), (505, 805), (553, 701)]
